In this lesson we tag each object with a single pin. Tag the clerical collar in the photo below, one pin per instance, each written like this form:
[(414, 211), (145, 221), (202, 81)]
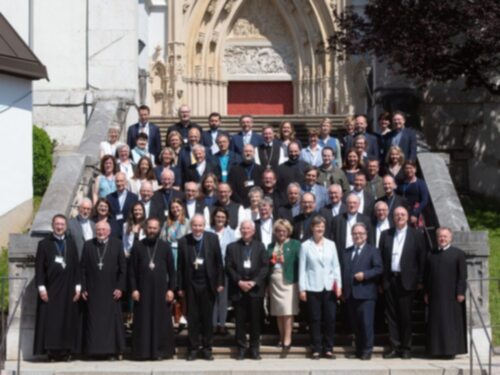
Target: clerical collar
[(269, 144), (102, 242), (197, 238), (60, 238), (445, 248), (402, 230)]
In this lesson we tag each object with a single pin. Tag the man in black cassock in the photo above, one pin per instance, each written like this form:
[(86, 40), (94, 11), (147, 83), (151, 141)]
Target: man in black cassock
[(445, 285), (57, 277), (201, 277), (247, 268), (152, 281), (103, 282)]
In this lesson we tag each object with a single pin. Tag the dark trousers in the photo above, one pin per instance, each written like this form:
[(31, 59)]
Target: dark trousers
[(321, 308), (200, 307), (398, 307), (248, 310), (361, 314)]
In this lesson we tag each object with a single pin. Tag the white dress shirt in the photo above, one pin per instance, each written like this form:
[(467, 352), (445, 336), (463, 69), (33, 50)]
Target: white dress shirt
[(351, 220), (397, 249), (361, 197), (86, 229), (336, 209), (381, 226), (121, 198), (266, 231), (191, 208), (147, 206), (201, 167)]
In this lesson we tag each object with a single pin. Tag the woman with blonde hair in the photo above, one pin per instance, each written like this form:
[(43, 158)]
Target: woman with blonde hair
[(394, 162), (286, 134), (284, 275), (325, 139)]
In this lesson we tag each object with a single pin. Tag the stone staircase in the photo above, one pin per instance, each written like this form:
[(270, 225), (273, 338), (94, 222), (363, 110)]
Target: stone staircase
[(231, 123)]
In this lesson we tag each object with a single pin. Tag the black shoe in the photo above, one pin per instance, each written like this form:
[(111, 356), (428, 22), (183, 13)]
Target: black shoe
[(191, 355), (406, 354), (352, 355), (241, 354), (365, 357), (391, 355), (287, 348), (207, 355), (255, 355), (447, 357)]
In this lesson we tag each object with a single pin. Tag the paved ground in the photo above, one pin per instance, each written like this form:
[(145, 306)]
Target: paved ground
[(291, 366)]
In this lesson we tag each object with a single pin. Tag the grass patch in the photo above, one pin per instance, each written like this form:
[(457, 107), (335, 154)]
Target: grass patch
[(484, 214), (37, 200), (4, 272)]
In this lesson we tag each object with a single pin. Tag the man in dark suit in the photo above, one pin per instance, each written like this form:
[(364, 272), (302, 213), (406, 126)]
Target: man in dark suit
[(342, 224), (144, 126), (201, 278), (404, 138), (198, 170), (361, 125), (382, 221), (311, 185), (145, 196), (245, 136), (162, 197), (235, 210), (270, 153), (291, 208), (392, 199), (366, 200), (225, 159), (375, 184), (293, 169), (302, 222), (184, 124), (209, 137), (335, 207), (244, 176), (81, 228), (186, 155), (264, 225), (360, 274), (403, 252), (193, 204), (269, 181), (247, 268), (121, 201)]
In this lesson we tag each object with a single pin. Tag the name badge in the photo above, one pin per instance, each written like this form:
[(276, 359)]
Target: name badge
[(247, 264), (59, 259), (199, 261), (174, 245), (166, 213), (224, 173), (119, 217), (185, 140), (249, 183)]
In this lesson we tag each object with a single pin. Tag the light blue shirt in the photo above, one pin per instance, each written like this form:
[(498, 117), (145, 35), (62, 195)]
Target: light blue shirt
[(319, 266), (225, 238), (315, 160)]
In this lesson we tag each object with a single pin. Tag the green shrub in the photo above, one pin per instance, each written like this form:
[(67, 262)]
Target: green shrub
[(42, 160)]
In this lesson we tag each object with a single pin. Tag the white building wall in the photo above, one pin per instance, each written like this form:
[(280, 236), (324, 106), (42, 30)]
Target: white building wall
[(17, 13), (16, 135)]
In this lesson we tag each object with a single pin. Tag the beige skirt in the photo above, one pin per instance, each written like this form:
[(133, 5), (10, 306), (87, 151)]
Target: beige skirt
[(284, 296)]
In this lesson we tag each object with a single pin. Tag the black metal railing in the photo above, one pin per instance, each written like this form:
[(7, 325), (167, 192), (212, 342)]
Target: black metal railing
[(8, 312), (476, 320)]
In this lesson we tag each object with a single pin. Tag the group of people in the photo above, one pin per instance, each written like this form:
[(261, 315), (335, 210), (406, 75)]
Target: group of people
[(214, 220)]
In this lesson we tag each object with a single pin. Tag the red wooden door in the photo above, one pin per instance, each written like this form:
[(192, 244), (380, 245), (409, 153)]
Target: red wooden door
[(260, 98)]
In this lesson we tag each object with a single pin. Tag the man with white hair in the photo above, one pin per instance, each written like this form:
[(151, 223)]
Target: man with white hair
[(382, 220), (81, 228), (201, 278), (245, 175), (162, 197), (247, 269), (335, 206), (103, 268), (121, 201), (264, 225), (146, 194), (198, 170), (184, 123), (343, 223)]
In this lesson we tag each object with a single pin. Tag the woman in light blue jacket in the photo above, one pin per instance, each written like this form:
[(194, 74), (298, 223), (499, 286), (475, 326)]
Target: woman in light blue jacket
[(320, 285)]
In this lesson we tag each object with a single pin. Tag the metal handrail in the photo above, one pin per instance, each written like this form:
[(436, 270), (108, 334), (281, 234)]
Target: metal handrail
[(473, 348), (12, 313)]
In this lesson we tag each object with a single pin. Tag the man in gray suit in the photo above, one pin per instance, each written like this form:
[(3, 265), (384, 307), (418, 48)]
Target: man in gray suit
[(81, 228)]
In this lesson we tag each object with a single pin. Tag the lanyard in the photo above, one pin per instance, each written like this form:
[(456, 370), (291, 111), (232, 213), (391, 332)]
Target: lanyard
[(198, 251), (167, 201), (248, 252), (249, 170)]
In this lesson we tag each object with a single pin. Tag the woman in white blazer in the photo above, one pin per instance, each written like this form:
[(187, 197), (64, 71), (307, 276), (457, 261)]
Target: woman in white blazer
[(320, 285)]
